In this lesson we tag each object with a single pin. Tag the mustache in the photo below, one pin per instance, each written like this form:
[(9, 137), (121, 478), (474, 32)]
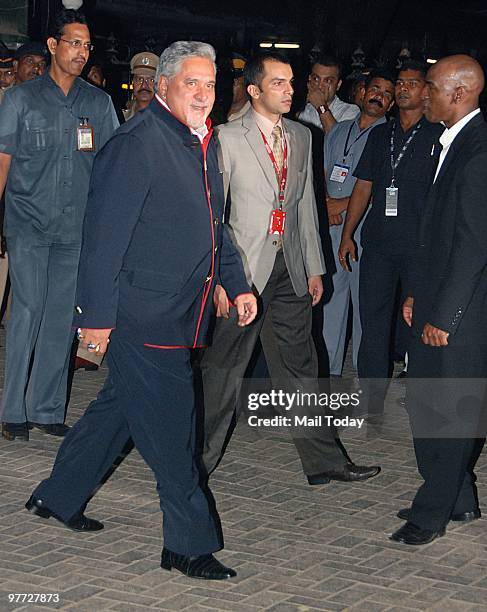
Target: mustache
[(145, 89), (376, 101)]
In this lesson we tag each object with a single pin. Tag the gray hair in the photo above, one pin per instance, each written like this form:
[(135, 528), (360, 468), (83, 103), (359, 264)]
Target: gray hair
[(173, 56)]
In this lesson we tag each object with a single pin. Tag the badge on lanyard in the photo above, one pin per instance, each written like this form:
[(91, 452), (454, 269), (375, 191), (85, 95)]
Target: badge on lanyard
[(278, 216), (277, 222), (392, 194), (339, 173), (86, 139)]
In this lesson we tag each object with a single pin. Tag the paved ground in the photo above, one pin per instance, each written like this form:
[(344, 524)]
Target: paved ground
[(295, 547)]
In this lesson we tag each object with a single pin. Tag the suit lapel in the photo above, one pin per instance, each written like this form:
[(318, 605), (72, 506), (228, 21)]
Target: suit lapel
[(457, 144), (254, 138), (293, 154)]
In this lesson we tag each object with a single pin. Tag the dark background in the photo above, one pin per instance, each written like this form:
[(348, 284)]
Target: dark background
[(429, 29)]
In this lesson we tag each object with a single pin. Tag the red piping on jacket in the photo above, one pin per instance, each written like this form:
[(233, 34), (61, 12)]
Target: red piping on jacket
[(207, 287), (208, 282)]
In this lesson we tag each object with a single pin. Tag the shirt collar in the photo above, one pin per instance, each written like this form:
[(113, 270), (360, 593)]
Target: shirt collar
[(450, 134), (266, 125), (200, 132)]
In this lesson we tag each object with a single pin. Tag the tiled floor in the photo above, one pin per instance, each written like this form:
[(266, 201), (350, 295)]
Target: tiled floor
[(295, 547)]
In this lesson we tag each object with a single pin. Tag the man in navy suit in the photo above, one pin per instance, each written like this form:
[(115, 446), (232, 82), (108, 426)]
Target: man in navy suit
[(446, 309), (153, 249)]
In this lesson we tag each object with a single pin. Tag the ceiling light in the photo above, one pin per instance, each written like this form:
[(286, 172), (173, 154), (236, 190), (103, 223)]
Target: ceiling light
[(286, 45), (431, 61), (265, 45)]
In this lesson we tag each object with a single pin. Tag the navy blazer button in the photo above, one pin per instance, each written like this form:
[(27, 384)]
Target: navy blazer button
[(208, 279), (78, 310)]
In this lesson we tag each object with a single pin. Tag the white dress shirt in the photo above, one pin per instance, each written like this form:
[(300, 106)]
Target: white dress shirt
[(449, 136)]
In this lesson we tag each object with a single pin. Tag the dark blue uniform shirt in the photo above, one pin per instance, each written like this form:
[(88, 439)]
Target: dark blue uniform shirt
[(48, 181)]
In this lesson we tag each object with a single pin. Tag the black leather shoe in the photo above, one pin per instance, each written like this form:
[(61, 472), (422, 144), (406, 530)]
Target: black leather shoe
[(204, 566), (78, 522), (411, 534), (52, 429), (15, 431), (460, 517), (348, 473)]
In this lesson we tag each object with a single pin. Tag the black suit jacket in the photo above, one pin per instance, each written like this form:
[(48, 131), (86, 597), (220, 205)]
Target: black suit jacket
[(153, 242), (450, 285)]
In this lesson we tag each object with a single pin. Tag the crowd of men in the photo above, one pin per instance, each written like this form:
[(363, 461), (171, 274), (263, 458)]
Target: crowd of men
[(160, 238)]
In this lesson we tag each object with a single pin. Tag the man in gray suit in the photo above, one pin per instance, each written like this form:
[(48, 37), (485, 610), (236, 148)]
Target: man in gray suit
[(273, 221)]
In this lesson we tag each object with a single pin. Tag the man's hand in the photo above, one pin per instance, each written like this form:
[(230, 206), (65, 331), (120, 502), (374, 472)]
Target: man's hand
[(316, 97), (246, 306), (433, 336), (407, 310), (220, 300), (335, 219), (95, 340), (315, 288), (336, 206), (347, 248)]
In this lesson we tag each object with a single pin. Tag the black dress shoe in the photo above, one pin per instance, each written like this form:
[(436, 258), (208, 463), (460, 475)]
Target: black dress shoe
[(348, 473), (460, 517), (15, 431), (78, 522), (411, 534), (52, 429), (204, 566)]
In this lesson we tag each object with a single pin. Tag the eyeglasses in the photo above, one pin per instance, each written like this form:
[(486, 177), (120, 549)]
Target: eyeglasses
[(77, 44), (140, 80)]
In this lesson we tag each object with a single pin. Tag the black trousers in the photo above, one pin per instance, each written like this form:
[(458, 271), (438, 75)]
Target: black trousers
[(149, 397), (284, 325), (445, 409), (380, 275)]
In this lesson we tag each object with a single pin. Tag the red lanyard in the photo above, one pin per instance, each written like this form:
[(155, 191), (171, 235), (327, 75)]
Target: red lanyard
[(281, 176)]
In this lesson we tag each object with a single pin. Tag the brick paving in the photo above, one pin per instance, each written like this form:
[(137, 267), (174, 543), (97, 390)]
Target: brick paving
[(295, 547)]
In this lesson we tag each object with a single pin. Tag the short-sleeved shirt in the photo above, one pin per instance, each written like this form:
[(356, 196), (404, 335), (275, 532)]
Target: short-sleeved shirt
[(48, 180), (344, 146), (341, 111), (413, 177)]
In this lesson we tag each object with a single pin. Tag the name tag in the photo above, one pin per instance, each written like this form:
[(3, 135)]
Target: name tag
[(391, 201), (86, 140), (277, 222), (339, 173)]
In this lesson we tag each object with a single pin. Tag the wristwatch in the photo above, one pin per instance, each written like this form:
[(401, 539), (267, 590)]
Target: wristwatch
[(323, 109)]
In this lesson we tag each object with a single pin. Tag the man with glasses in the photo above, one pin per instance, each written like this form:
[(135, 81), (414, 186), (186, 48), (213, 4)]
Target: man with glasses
[(50, 130), (143, 68)]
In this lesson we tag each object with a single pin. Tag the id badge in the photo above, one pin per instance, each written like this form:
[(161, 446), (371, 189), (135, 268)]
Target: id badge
[(86, 140), (277, 222), (391, 201), (339, 173)]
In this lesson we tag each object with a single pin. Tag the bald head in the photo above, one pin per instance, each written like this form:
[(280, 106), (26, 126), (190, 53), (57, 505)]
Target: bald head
[(453, 87)]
